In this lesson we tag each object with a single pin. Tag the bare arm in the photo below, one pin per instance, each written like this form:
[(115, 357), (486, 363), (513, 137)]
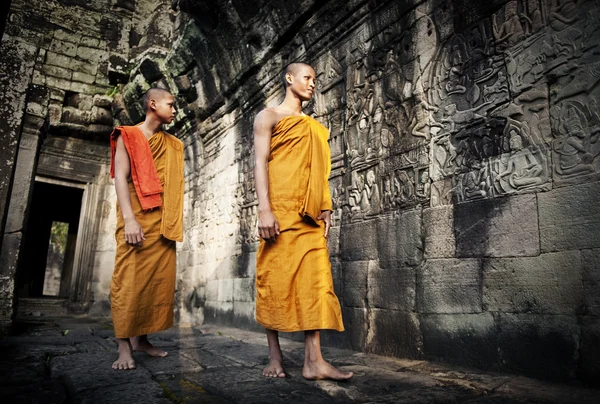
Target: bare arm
[(133, 231), (268, 226)]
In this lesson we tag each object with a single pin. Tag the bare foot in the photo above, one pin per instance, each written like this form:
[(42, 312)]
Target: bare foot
[(318, 370), (142, 344), (125, 361), (274, 369)]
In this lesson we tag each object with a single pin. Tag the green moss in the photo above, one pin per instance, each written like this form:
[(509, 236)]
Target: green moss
[(170, 395), (186, 384)]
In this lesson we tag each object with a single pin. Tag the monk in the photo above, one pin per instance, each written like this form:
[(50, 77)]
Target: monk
[(147, 165), (294, 286)]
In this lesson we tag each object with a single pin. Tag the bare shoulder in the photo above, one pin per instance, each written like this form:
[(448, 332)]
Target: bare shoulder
[(267, 118)]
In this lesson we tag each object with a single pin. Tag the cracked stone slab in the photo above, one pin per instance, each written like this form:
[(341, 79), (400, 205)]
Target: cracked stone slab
[(83, 371)]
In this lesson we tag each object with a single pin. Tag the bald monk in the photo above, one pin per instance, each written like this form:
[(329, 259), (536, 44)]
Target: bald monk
[(147, 165), (293, 274)]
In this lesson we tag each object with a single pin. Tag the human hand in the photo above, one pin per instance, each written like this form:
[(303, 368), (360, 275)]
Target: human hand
[(268, 226), (326, 217), (134, 235)]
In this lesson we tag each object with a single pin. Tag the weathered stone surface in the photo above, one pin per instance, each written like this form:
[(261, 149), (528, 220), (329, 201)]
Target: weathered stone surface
[(394, 333), (359, 242), (399, 238), (551, 284), (449, 286), (589, 350), (391, 287), (466, 339), (539, 345), (591, 281), (570, 217), (438, 231), (503, 227), (355, 275)]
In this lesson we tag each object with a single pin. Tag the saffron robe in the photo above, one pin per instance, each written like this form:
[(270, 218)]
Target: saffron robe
[(142, 289), (294, 286)]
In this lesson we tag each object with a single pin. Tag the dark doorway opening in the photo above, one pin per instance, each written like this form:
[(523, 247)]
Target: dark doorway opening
[(50, 238)]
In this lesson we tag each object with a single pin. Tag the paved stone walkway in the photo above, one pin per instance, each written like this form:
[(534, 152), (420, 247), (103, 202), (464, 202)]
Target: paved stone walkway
[(69, 361)]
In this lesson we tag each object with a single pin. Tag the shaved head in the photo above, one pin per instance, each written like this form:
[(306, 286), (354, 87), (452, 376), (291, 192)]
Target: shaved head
[(155, 94), (292, 68)]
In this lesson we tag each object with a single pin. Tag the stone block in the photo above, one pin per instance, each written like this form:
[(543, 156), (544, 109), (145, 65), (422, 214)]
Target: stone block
[(102, 116), (58, 72), (551, 284), (244, 314), (449, 286), (399, 238), (86, 88), (91, 54), (333, 242), (243, 289), (84, 67), (589, 351), (83, 77), (591, 281), (80, 101), (90, 42), (61, 35), (57, 95), (356, 324), (500, 227), (463, 339), (438, 232), (355, 274), (570, 218), (63, 47), (212, 290), (55, 59), (103, 101), (391, 286), (76, 116), (56, 83), (9, 254), (225, 290), (394, 333), (543, 346), (358, 241)]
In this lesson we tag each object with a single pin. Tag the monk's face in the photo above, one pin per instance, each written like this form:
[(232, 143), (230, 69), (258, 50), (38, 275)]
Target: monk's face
[(303, 82), (164, 108)]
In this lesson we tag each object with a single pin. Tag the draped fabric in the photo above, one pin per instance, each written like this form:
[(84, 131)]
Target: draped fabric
[(143, 283), (293, 277)]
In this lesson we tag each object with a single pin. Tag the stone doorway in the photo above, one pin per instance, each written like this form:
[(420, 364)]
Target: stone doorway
[(53, 244)]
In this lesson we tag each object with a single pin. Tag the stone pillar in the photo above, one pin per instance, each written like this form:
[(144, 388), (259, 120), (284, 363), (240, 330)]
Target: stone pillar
[(16, 71)]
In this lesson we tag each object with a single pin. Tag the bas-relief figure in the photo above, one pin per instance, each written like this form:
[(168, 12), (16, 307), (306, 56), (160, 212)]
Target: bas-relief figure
[(364, 196), (577, 146)]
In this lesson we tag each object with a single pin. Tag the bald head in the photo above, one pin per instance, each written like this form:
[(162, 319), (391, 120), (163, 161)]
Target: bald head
[(155, 94), (292, 69)]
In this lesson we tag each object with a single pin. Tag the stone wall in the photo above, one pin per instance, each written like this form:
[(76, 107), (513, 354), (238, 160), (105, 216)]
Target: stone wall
[(62, 63), (464, 140)]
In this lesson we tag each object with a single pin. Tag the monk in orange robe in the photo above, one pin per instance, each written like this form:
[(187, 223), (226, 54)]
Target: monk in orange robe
[(294, 286), (147, 165)]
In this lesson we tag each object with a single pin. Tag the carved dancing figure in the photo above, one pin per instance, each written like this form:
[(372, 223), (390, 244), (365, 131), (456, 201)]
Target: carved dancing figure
[(511, 30), (422, 117)]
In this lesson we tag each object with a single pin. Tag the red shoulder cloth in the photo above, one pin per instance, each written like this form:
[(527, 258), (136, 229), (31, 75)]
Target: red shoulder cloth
[(143, 171)]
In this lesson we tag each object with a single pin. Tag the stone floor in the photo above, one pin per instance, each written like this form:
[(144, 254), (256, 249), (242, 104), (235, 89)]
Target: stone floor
[(69, 361)]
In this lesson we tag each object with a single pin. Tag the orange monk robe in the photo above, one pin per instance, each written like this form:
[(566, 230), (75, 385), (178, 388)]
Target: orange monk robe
[(294, 286), (143, 283)]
